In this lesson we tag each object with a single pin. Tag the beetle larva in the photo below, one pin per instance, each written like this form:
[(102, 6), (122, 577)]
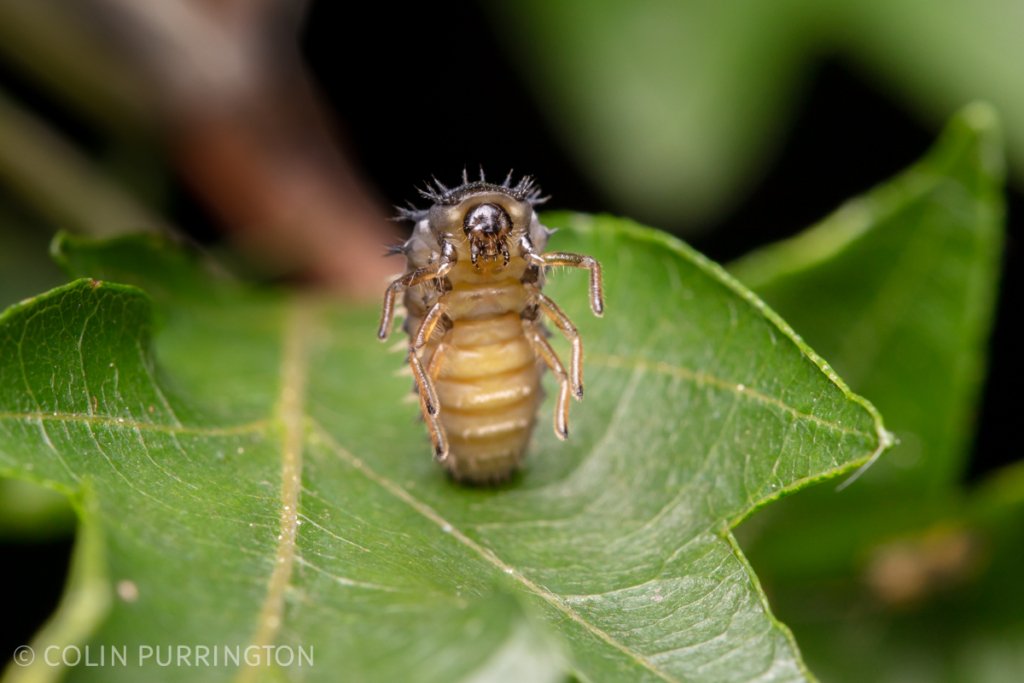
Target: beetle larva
[(477, 345)]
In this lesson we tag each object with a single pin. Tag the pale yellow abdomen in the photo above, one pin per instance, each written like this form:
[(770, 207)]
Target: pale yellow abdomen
[(488, 387)]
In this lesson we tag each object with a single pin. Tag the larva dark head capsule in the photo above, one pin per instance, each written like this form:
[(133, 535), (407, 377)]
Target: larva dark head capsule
[(477, 346), (487, 226), (483, 222)]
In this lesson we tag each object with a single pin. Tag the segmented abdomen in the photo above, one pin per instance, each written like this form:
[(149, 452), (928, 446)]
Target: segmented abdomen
[(489, 389)]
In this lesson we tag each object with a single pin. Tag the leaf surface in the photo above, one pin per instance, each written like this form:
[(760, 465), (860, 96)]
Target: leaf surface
[(27, 510), (259, 480)]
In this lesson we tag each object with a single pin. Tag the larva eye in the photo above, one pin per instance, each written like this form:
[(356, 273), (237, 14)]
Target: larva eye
[(477, 343)]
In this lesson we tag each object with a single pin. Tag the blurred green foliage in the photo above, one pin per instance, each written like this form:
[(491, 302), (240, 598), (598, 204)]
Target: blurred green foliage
[(675, 107), (906, 575)]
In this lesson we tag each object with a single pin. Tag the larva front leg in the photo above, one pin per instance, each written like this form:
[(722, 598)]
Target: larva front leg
[(571, 260), (410, 279)]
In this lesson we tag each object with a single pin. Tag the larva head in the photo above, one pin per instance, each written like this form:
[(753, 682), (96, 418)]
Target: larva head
[(487, 226), (483, 220)]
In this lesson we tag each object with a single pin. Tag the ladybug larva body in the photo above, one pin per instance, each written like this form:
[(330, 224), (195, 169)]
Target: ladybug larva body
[(477, 344)]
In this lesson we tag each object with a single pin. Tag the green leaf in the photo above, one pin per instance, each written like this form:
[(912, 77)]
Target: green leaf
[(897, 290), (26, 509), (258, 478), (903, 575)]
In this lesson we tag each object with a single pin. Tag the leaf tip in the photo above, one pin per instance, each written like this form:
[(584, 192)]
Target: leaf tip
[(980, 122), (886, 440), (58, 247), (981, 117)]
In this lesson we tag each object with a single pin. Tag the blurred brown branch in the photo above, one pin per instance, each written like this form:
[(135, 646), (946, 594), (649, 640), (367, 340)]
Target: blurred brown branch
[(224, 82)]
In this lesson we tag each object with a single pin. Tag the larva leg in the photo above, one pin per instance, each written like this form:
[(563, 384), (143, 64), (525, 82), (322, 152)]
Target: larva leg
[(424, 384), (430, 407), (419, 339), (438, 435), (438, 438), (543, 349), (429, 401), (561, 320), (570, 260), (436, 361), (428, 325), (410, 279)]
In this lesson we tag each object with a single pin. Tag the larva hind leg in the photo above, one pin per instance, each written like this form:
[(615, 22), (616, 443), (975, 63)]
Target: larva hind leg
[(543, 349), (429, 402), (430, 407)]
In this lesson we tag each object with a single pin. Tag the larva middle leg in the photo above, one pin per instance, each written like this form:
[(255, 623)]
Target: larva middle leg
[(436, 360), (410, 279), (430, 321), (543, 349), (562, 322)]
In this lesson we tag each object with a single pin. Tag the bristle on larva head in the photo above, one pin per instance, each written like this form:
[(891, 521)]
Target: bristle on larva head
[(526, 190), (409, 213)]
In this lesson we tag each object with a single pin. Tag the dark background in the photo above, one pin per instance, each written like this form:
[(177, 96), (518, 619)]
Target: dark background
[(395, 115), (402, 127)]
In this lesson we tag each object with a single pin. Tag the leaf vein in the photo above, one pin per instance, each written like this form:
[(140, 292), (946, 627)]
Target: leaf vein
[(112, 421), (703, 378), (290, 407), (489, 555)]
